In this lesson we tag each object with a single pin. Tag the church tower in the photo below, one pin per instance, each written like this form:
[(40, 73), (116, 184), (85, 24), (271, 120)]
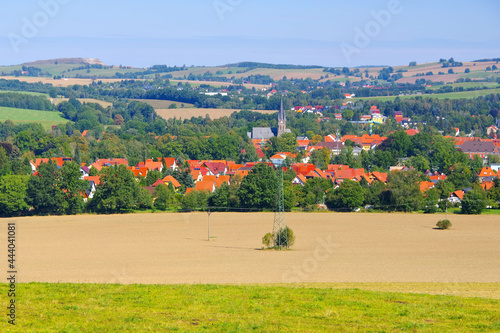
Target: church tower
[(281, 120)]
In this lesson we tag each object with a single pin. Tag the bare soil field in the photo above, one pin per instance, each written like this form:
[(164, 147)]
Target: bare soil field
[(330, 248), (188, 113)]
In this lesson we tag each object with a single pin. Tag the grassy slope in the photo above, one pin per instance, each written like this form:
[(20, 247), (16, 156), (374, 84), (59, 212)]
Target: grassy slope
[(46, 118), (215, 308), (24, 92), (453, 95), (467, 85)]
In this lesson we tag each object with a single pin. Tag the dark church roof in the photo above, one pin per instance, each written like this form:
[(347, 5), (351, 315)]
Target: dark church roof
[(263, 133), (259, 133)]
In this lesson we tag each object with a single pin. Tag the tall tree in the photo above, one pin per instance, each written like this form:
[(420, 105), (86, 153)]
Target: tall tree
[(13, 193), (44, 191), (165, 197), (474, 202), (118, 191), (258, 188), (404, 191), (73, 187), (347, 197)]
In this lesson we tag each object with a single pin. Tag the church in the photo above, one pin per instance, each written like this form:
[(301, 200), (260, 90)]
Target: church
[(265, 133)]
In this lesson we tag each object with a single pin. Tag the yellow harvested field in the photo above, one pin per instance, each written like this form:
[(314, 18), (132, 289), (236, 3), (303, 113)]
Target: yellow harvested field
[(187, 113), (165, 248)]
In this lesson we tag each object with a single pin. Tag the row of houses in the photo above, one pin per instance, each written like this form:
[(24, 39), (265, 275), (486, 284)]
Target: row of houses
[(210, 175)]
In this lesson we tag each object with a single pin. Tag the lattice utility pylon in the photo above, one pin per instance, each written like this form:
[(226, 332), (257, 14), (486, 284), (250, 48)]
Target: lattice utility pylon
[(280, 237)]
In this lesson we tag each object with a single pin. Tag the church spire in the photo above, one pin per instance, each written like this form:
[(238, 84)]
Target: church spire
[(281, 119)]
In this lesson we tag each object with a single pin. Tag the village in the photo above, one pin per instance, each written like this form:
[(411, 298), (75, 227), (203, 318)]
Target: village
[(209, 175)]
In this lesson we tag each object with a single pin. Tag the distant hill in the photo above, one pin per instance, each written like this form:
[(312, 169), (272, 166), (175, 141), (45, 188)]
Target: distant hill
[(65, 61), (249, 64)]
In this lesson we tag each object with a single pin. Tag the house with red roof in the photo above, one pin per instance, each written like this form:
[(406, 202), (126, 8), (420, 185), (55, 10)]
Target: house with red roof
[(352, 174), (170, 163), (316, 173), (105, 162), (151, 165), (486, 185), (299, 180), (303, 144), (215, 168), (94, 182), (302, 168), (221, 180), (279, 158), (139, 171), (456, 197), (197, 175), (436, 177), (412, 132), (59, 161), (374, 110), (205, 186), (330, 138), (425, 186), (487, 174), (173, 181), (242, 172)]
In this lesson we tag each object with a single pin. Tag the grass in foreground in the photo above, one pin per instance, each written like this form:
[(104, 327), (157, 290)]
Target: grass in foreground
[(215, 308)]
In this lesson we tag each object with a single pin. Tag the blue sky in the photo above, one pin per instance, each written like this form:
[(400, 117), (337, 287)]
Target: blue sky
[(216, 32)]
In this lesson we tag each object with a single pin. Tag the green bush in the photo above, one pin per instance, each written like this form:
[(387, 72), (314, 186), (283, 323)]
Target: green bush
[(284, 238), (266, 240), (443, 224), (474, 202)]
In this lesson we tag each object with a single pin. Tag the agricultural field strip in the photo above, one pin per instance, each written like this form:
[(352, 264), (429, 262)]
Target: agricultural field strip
[(173, 249)]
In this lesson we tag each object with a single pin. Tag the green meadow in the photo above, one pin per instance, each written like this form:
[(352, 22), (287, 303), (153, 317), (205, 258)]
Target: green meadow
[(46, 118), (467, 85), (24, 92), (222, 308)]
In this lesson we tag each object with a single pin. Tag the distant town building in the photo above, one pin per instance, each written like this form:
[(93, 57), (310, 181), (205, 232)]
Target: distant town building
[(265, 133)]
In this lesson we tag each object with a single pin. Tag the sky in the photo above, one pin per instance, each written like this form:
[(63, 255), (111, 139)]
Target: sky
[(333, 33)]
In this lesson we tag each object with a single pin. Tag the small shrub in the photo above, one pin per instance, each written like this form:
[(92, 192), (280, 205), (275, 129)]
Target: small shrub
[(284, 238), (443, 224), (266, 240)]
